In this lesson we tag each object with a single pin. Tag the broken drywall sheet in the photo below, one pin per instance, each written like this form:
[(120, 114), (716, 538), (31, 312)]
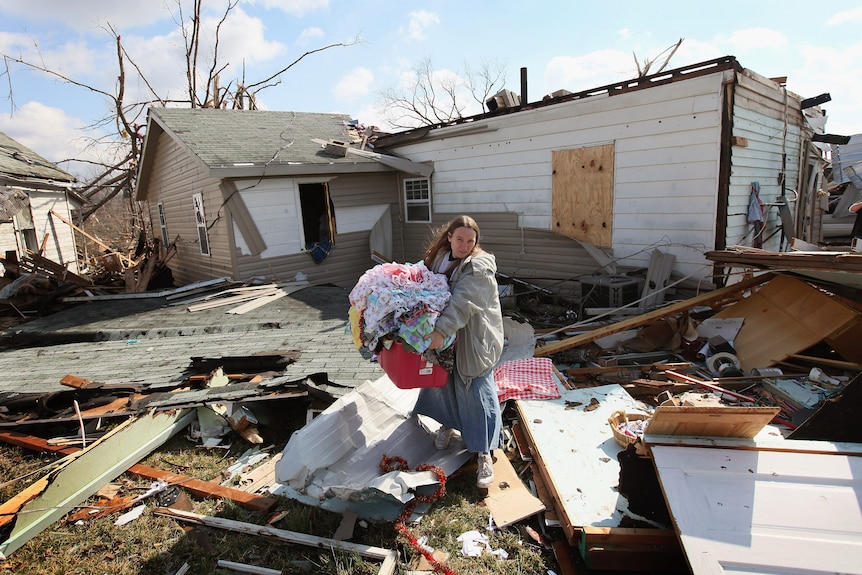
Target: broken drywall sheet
[(334, 461)]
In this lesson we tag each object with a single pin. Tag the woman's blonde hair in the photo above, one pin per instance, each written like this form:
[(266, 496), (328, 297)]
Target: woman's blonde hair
[(441, 238)]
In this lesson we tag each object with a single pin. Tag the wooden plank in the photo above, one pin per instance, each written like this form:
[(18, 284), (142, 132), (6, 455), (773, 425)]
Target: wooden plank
[(260, 301), (708, 298), (719, 421), (194, 486), (547, 499), (657, 366), (632, 549), (508, 498), (218, 302)]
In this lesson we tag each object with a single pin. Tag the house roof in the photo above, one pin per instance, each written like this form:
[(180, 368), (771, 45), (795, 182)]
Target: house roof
[(155, 340), (255, 136), (18, 163), (253, 143)]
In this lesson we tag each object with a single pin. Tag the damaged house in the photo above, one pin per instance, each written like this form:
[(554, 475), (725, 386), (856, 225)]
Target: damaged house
[(249, 193), (36, 203), (668, 161)]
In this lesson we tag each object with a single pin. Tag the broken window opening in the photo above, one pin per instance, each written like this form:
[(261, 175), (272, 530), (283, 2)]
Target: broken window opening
[(318, 219), (417, 200), (201, 220), (163, 226), (26, 231)]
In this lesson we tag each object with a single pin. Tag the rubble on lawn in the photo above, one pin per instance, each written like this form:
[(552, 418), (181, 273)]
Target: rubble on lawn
[(766, 366)]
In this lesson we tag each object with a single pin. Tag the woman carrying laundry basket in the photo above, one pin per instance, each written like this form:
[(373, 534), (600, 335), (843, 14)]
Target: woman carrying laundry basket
[(468, 402)]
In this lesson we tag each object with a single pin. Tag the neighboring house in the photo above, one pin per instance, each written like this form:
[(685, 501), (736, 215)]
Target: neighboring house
[(248, 194), (846, 177), (666, 161), (33, 193)]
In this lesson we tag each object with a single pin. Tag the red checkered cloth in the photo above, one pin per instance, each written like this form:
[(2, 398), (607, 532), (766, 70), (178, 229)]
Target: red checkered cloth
[(528, 378)]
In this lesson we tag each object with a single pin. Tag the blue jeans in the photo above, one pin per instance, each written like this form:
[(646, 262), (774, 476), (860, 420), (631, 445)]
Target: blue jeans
[(471, 409)]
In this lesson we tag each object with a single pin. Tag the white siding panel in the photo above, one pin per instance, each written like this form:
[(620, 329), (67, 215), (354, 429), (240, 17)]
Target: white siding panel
[(60, 246), (272, 204), (359, 218), (772, 131), (8, 241)]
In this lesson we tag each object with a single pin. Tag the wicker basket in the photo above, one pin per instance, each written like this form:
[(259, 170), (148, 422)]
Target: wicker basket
[(619, 417)]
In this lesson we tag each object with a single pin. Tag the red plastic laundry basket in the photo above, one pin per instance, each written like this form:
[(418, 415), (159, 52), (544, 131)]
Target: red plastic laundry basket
[(408, 370)]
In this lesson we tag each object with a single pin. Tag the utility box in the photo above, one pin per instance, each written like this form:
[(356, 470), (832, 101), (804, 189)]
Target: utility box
[(609, 291)]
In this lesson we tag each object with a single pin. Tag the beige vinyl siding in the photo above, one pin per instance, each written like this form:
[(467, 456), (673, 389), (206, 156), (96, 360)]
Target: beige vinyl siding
[(176, 177), (351, 256), (537, 257), (759, 116)]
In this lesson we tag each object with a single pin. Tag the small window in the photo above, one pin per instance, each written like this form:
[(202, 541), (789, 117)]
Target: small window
[(201, 220), (163, 224), (417, 199)]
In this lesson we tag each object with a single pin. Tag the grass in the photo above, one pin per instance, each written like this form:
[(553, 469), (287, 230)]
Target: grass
[(158, 545)]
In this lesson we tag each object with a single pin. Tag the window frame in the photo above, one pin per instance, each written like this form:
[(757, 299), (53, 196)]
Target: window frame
[(201, 222), (414, 202), (163, 224)]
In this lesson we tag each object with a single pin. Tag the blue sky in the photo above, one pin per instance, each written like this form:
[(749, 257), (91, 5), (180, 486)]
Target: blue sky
[(564, 45)]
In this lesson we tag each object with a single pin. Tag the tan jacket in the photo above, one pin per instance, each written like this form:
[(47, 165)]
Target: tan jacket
[(474, 314)]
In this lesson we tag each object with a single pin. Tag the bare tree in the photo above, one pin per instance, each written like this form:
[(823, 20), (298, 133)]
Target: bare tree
[(648, 64), (437, 98)]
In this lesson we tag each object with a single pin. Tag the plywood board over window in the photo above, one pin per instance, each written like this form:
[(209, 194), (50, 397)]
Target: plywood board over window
[(583, 193)]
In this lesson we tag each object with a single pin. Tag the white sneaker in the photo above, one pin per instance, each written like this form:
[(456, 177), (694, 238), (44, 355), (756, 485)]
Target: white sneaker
[(486, 471), (443, 437)]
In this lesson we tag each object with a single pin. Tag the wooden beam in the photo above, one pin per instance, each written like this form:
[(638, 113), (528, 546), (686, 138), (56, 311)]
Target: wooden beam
[(388, 556), (635, 322), (88, 236)]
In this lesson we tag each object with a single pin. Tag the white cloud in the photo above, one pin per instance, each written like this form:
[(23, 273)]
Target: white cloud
[(418, 22), (845, 16), (624, 33), (356, 84), (576, 73), (742, 41), (824, 69), (294, 7), (90, 15), (309, 34), (72, 58), (49, 132)]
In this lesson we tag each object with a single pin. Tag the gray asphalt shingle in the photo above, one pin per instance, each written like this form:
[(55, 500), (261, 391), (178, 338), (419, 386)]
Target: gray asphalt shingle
[(146, 341), (221, 138)]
